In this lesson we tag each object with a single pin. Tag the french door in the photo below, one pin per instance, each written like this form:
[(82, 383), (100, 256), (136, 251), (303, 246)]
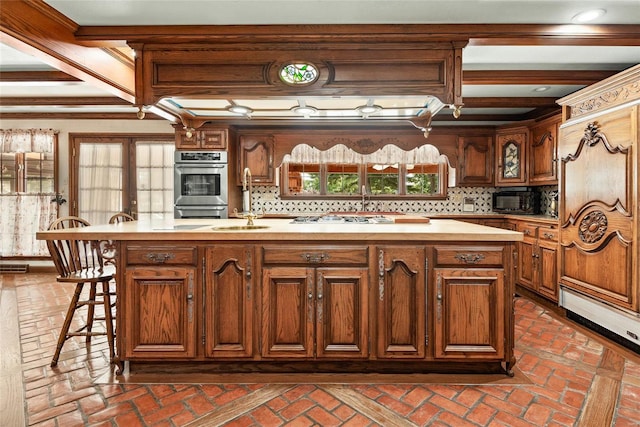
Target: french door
[(116, 173)]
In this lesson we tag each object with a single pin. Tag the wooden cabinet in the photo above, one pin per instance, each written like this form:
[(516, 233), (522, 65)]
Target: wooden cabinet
[(303, 303), (315, 302), (470, 302), (475, 161), (160, 312), (537, 259), (160, 299), (511, 160), (229, 294), (202, 139), (400, 298), (543, 156), (256, 152)]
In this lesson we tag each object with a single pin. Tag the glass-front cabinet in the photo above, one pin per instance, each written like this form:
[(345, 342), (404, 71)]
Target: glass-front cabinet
[(511, 156)]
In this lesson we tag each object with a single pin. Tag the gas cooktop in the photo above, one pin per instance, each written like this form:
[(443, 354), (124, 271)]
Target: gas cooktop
[(342, 219)]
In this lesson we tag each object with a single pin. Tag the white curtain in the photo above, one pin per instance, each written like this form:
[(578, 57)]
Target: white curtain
[(99, 181), (23, 214), (27, 140)]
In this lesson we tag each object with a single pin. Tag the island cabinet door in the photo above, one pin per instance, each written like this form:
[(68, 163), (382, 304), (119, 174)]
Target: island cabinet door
[(229, 295), (469, 313), (160, 310), (400, 297), (288, 312), (341, 312)]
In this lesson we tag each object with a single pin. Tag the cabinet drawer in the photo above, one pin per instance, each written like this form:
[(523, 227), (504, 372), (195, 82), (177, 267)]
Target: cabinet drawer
[(481, 256), (548, 234), (161, 255), (315, 255), (529, 230)]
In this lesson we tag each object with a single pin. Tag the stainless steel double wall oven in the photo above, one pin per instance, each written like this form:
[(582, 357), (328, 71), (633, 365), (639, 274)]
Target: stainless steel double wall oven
[(201, 184)]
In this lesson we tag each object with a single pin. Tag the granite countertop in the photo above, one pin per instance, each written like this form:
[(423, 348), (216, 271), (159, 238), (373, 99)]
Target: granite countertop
[(284, 230)]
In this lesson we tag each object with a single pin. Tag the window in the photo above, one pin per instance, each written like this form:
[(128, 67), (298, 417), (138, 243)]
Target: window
[(382, 180), (27, 190), (340, 172)]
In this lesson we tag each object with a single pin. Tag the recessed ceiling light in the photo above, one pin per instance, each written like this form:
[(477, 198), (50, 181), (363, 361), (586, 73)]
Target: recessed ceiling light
[(587, 16), (542, 89), (304, 110), (366, 110), (239, 109)]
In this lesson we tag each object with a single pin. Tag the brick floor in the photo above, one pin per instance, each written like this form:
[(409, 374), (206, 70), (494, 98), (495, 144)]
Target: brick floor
[(560, 362)]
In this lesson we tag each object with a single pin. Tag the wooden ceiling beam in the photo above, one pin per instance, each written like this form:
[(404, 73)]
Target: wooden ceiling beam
[(508, 102), (37, 29), (477, 34), (83, 101), (36, 76), (534, 77)]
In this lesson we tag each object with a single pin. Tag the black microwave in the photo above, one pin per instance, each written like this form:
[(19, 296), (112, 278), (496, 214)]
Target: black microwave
[(517, 202)]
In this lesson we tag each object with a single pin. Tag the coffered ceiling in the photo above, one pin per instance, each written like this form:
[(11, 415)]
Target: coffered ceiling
[(521, 55)]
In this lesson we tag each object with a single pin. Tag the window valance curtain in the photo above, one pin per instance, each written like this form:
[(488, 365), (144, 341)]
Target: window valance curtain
[(27, 140)]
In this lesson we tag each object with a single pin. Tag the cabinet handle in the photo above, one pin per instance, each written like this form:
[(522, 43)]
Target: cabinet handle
[(190, 298), (381, 275), (548, 235), (248, 273), (315, 258), (319, 292), (527, 232), (439, 296), (160, 258), (469, 258)]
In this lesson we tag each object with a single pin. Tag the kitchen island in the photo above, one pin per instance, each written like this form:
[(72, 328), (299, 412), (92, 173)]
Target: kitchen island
[(285, 296)]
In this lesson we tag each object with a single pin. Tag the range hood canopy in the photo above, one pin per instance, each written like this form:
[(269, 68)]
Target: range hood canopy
[(323, 78)]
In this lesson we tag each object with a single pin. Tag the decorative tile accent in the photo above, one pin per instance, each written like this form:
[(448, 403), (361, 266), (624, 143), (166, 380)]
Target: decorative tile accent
[(268, 198)]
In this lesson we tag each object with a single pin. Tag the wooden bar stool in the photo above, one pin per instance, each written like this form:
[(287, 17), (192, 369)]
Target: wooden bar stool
[(79, 262), (120, 217)]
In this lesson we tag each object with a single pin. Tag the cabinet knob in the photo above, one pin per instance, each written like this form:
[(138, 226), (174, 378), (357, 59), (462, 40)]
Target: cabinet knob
[(310, 295)]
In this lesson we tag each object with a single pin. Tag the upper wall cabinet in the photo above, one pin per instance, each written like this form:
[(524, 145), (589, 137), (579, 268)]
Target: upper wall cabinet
[(256, 152), (543, 156), (202, 139), (511, 166), (475, 160)]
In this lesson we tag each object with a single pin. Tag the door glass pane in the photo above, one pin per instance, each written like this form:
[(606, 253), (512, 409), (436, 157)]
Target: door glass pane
[(511, 159), (342, 179), (154, 176), (99, 181), (383, 179)]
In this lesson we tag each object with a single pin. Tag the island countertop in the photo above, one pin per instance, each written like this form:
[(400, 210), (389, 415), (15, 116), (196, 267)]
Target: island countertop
[(284, 230)]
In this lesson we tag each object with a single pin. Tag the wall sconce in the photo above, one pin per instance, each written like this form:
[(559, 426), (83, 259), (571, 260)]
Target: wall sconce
[(425, 130)]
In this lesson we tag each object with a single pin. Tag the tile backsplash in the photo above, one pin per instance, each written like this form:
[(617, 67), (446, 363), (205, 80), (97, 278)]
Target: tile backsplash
[(267, 198)]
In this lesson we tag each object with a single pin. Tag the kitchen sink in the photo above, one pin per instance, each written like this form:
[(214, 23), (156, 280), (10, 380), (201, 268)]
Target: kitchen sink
[(240, 227)]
